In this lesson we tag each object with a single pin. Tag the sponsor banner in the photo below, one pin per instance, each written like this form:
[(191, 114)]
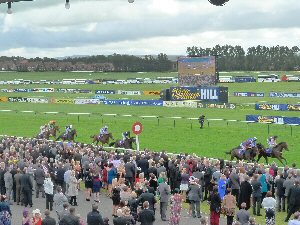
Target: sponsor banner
[(17, 99), (273, 119), (284, 95), (134, 102), (185, 104), (249, 94), (100, 97), (84, 91), (6, 90), (277, 107), (41, 90), (70, 90), (37, 100), (62, 101), (120, 92), (30, 100), (216, 106), (293, 107), (105, 92), (87, 101), (3, 99), (21, 90), (208, 94), (151, 92)]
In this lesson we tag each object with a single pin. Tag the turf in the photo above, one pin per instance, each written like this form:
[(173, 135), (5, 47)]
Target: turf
[(175, 135)]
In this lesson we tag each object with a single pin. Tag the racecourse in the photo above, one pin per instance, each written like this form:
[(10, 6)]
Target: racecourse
[(161, 132)]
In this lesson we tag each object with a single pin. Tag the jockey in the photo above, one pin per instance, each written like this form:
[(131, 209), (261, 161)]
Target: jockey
[(250, 143), (68, 129), (253, 142), (125, 135), (51, 124), (272, 142), (43, 129), (103, 130)]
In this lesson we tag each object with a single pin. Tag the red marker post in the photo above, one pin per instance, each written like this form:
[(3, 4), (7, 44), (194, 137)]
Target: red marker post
[(137, 129)]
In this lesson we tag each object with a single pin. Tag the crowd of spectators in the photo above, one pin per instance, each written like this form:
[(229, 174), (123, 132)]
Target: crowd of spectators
[(139, 184)]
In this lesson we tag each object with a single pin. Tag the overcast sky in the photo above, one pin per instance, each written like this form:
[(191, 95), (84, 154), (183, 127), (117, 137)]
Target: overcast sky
[(45, 28)]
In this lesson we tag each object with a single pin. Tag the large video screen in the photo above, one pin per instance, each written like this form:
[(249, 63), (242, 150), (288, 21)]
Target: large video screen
[(197, 71)]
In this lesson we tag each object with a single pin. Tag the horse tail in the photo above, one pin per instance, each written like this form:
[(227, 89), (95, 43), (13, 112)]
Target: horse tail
[(228, 153), (92, 136), (111, 144)]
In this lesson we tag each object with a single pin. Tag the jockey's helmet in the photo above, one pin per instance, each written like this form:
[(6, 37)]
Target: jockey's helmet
[(71, 126), (254, 138), (275, 137), (106, 127)]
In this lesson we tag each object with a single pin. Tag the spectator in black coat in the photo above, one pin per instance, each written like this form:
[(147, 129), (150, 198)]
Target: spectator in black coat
[(94, 217), (245, 193), (26, 188), (130, 173), (293, 200), (48, 220), (280, 190), (2, 183), (144, 165), (256, 194), (147, 197), (70, 219), (59, 178), (146, 216), (152, 169)]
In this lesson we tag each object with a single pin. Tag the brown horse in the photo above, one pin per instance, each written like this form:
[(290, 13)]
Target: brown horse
[(49, 133), (53, 131), (126, 144), (104, 139), (275, 153), (249, 154), (69, 137)]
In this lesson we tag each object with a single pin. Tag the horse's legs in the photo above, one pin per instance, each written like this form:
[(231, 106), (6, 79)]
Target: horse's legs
[(258, 158), (279, 158), (267, 160), (284, 159)]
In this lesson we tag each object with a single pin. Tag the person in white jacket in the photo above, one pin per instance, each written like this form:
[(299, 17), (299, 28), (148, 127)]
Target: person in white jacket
[(269, 204), (48, 187)]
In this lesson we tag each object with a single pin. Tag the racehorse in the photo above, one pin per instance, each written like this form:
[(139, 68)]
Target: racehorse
[(49, 133), (126, 144), (276, 152), (53, 131), (104, 139), (249, 154), (69, 137)]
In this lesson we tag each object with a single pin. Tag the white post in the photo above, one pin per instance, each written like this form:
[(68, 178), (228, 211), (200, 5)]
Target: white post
[(137, 142)]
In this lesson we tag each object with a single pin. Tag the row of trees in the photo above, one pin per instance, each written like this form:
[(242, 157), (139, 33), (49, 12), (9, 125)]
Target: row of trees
[(259, 58), (230, 58), (130, 62), (120, 62)]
